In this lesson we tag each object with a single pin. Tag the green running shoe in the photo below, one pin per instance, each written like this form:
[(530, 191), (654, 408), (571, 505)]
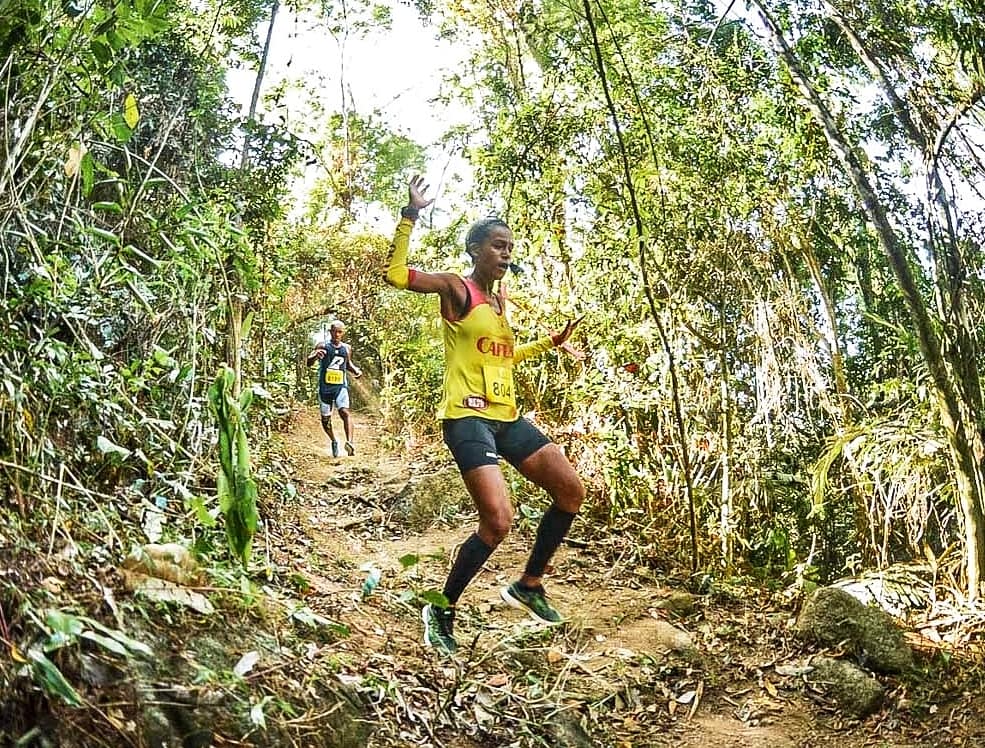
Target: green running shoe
[(534, 600), (335, 449), (438, 626)]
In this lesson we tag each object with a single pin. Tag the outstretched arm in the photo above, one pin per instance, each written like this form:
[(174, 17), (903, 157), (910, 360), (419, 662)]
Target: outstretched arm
[(398, 274), (317, 353), (536, 347)]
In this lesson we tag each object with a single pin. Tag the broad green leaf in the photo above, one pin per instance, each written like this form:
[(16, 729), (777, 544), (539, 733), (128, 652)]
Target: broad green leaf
[(117, 41), (224, 491), (202, 514), (132, 644), (308, 617), (104, 234), (244, 332), (108, 207), (121, 130), (435, 598), (162, 357), (100, 51), (88, 174), (49, 677), (131, 114), (106, 642), (409, 560), (142, 255), (64, 623)]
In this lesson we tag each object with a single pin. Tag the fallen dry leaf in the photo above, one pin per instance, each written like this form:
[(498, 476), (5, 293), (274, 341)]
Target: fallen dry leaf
[(161, 590), (770, 688), (697, 698)]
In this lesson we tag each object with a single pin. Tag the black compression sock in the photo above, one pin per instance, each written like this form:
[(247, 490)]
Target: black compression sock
[(554, 525), (471, 556)]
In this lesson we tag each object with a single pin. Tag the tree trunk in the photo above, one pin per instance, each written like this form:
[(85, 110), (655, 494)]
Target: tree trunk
[(235, 297), (258, 84), (727, 509)]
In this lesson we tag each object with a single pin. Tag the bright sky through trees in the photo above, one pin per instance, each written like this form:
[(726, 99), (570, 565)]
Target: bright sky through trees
[(395, 72)]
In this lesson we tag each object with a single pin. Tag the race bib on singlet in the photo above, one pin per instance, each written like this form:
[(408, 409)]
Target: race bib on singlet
[(499, 384), (334, 376)]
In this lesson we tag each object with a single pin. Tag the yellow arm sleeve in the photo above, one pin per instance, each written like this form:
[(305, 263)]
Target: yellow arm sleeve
[(533, 348), (397, 272)]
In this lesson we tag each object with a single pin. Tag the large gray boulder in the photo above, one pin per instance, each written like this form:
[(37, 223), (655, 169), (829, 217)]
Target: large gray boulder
[(833, 618)]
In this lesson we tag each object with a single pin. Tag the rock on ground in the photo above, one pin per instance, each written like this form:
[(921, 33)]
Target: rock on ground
[(832, 617), (855, 691)]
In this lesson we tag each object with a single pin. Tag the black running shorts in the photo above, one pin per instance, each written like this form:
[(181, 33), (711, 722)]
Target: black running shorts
[(476, 441)]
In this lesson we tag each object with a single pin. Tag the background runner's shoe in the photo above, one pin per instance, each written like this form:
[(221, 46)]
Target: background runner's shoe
[(335, 449), (439, 624), (350, 448), (534, 600)]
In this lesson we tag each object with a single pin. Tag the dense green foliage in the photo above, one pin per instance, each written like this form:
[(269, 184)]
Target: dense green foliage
[(777, 250), (236, 489), (124, 233), (754, 354), (771, 221)]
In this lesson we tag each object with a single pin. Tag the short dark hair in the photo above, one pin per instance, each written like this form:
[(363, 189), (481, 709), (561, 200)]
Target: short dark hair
[(479, 230)]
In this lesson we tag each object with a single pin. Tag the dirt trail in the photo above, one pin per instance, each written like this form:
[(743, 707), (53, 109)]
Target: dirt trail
[(614, 612), (613, 644)]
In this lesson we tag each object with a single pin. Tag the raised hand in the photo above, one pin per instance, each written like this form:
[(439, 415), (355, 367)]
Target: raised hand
[(416, 189), (559, 338)]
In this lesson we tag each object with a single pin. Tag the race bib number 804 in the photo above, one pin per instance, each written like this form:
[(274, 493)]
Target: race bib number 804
[(499, 384)]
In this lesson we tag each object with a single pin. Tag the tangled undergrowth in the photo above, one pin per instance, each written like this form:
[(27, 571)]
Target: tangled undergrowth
[(304, 648)]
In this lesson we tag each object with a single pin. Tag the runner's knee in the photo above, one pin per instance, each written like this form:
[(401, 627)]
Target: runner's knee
[(494, 527), (570, 495), (326, 424)]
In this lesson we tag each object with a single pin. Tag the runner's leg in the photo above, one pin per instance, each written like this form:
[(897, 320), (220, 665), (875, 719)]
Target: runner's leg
[(342, 403), (346, 423), (326, 418), (488, 490), (550, 469)]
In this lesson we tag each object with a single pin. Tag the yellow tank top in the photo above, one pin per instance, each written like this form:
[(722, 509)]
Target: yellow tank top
[(478, 363)]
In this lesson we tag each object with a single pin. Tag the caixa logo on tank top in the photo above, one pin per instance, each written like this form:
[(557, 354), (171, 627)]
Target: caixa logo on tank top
[(475, 402), (493, 347)]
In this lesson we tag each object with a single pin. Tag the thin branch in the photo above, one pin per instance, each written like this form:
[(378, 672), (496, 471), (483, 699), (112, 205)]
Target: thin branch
[(647, 286)]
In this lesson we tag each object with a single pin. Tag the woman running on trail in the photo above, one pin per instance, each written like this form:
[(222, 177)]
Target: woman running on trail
[(479, 417)]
